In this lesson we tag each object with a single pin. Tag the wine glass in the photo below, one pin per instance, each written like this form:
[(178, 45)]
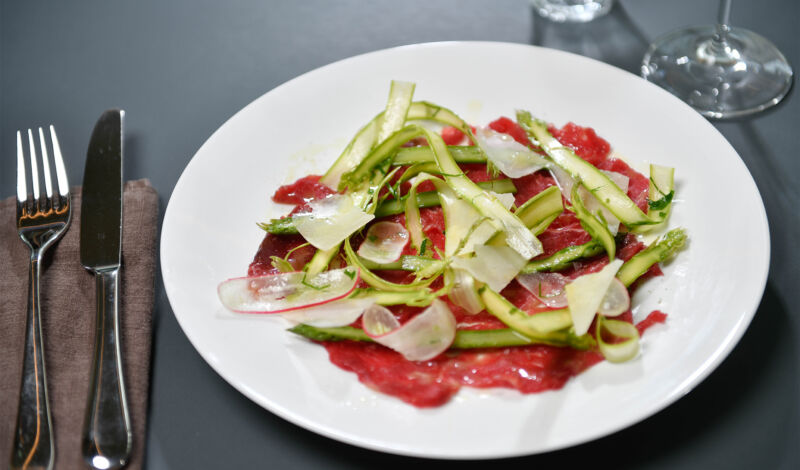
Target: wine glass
[(572, 11), (721, 71)]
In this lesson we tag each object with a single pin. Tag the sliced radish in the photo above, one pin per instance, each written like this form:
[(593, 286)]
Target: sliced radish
[(493, 265), (585, 294), (378, 321), (547, 287), (384, 242), (340, 312), (616, 301), (509, 156), (330, 220), (423, 337), (282, 292), (463, 292)]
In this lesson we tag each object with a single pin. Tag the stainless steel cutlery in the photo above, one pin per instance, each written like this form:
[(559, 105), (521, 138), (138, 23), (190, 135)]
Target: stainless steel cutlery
[(42, 218), (43, 215), (106, 441)]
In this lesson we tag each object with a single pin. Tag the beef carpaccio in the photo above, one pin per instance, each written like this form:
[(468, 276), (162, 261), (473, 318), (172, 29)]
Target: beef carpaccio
[(518, 320)]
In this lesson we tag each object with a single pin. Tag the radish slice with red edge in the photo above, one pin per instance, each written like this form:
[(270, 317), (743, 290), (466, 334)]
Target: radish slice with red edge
[(384, 242), (424, 337), (340, 312), (548, 288), (283, 292)]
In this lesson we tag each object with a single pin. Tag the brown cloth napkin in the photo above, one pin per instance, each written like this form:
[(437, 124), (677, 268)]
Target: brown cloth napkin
[(68, 317)]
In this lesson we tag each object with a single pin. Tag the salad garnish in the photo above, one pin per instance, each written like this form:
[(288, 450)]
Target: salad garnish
[(375, 248)]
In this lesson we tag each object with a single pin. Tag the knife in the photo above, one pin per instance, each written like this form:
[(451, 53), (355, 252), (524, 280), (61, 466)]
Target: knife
[(106, 441)]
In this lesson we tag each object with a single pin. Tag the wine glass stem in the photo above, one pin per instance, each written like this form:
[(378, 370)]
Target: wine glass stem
[(719, 49), (723, 19)]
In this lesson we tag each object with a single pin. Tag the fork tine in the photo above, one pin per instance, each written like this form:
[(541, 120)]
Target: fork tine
[(61, 172), (48, 184), (34, 166), (22, 186)]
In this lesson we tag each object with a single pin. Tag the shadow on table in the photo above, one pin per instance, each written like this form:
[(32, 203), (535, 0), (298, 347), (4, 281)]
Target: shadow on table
[(777, 186), (613, 38)]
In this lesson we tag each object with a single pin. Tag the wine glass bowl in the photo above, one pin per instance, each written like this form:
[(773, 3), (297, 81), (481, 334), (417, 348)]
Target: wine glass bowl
[(721, 71)]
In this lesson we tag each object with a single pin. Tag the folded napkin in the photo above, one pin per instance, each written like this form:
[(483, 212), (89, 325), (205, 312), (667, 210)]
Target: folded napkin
[(68, 317)]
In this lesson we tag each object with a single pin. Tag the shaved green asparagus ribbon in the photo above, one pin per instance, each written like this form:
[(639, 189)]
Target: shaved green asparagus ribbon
[(286, 226), (518, 236), (398, 109), (659, 251), (376, 281), (363, 168), (367, 137), (431, 199), (564, 258), (627, 335), (594, 226), (418, 155), (551, 320), (416, 298), (465, 339), (606, 192), (538, 212)]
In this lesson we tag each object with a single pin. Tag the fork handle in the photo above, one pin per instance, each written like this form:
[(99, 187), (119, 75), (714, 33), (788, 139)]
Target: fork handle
[(33, 436), (107, 431)]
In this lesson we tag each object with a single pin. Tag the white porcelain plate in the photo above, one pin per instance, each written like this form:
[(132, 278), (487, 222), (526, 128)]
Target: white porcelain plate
[(710, 292)]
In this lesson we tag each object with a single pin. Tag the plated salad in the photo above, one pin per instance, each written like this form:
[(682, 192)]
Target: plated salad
[(434, 255)]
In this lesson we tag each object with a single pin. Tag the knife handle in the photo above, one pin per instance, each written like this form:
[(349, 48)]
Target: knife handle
[(33, 436), (107, 430)]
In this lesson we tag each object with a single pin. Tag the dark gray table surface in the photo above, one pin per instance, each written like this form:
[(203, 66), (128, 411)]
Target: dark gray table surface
[(182, 68)]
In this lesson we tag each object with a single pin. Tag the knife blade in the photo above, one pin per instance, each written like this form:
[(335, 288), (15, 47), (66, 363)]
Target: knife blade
[(101, 208), (107, 438)]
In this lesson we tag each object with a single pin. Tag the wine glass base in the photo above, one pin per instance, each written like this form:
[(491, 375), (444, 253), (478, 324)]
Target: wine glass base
[(747, 75)]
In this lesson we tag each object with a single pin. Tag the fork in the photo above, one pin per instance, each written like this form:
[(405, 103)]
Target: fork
[(41, 220)]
